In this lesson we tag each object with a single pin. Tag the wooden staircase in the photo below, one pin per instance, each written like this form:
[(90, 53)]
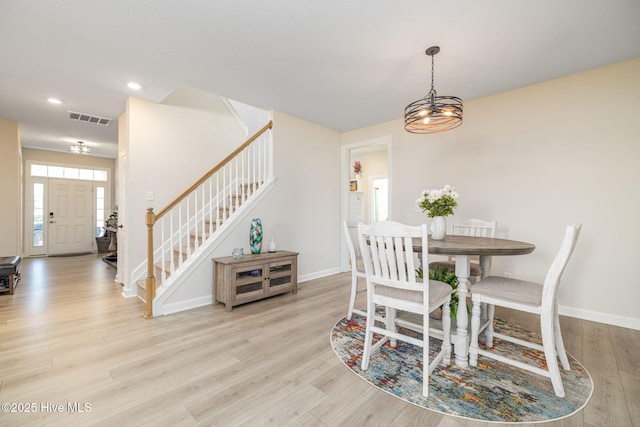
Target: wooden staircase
[(180, 235), (181, 253)]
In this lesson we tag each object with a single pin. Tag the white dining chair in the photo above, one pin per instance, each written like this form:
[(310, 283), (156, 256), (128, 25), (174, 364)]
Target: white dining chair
[(357, 267), (390, 268), (530, 297), (468, 227)]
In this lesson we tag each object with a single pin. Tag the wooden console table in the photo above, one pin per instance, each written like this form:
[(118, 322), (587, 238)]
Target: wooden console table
[(254, 277)]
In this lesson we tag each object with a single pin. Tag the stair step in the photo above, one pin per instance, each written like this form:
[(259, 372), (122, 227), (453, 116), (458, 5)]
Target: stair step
[(142, 287), (250, 185), (239, 198), (225, 212), (185, 250), (159, 268), (210, 224), (193, 237), (142, 284)]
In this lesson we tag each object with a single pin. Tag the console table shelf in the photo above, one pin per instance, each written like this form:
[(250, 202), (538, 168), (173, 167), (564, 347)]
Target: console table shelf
[(254, 277)]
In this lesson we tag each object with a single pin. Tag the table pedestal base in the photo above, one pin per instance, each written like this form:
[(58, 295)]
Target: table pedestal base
[(461, 343)]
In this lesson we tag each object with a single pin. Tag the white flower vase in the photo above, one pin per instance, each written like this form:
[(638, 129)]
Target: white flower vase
[(438, 228)]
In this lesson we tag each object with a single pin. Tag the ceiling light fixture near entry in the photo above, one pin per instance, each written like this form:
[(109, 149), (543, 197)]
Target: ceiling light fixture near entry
[(134, 86), (433, 113), (80, 148)]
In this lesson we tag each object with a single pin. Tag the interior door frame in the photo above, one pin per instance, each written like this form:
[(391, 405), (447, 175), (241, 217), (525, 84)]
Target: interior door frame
[(344, 187), (121, 235)]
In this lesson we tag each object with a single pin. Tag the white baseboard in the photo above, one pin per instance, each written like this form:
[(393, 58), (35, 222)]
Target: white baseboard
[(318, 274), (600, 317), (208, 299), (185, 305), (129, 292)]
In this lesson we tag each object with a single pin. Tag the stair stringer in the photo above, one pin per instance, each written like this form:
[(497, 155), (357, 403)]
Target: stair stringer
[(203, 254)]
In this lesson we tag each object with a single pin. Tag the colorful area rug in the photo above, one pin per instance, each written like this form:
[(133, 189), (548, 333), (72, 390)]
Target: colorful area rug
[(493, 391)]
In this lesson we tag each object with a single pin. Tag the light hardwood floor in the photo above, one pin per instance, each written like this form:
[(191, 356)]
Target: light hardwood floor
[(67, 336)]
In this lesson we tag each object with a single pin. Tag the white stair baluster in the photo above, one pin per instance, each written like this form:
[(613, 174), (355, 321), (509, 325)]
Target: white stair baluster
[(217, 201), (210, 181), (253, 167), (235, 185), (244, 180), (163, 274), (188, 227), (202, 209), (261, 148), (172, 244)]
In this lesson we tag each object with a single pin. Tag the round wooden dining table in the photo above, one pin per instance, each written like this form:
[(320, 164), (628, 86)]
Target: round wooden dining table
[(463, 248)]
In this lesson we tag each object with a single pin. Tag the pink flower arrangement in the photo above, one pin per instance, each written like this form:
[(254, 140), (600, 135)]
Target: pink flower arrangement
[(357, 167)]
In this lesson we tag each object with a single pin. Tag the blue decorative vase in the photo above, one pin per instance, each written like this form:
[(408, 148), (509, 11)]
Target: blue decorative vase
[(255, 236)]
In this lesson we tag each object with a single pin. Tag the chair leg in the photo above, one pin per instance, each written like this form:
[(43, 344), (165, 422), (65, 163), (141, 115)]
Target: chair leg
[(488, 332), (548, 343), (483, 313), (557, 334), (352, 299), (368, 337), (390, 324), (475, 332), (483, 316), (425, 355)]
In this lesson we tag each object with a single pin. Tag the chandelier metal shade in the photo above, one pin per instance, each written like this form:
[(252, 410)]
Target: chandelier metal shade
[(80, 148), (433, 113)]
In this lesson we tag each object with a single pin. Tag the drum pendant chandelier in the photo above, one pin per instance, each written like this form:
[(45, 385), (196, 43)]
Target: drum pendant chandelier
[(433, 113)]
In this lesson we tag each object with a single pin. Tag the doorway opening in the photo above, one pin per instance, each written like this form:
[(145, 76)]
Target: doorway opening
[(368, 199), (65, 208), (366, 196)]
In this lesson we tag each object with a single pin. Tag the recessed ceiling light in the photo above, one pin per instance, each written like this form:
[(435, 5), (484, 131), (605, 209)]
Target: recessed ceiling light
[(134, 86), (54, 101)]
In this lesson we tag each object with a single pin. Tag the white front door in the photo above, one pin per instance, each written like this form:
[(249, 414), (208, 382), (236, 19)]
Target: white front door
[(70, 217)]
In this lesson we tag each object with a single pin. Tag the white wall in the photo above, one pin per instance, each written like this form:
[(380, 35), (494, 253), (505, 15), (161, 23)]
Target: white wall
[(302, 212), (254, 118), (536, 159)]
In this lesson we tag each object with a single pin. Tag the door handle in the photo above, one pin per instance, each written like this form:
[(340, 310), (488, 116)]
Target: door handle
[(51, 222)]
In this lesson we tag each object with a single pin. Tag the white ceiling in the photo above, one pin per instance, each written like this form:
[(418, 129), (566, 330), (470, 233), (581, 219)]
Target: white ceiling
[(341, 64)]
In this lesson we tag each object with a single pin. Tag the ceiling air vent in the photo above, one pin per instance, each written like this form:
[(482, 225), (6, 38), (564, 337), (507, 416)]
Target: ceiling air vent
[(82, 117)]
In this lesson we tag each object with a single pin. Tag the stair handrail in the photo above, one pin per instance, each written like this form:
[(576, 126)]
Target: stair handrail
[(214, 170), (151, 218)]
